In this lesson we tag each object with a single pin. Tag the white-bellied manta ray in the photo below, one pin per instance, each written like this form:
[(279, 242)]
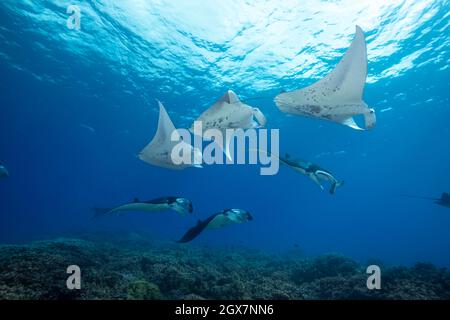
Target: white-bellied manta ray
[(230, 113), (3, 171), (178, 204), (444, 200), (338, 96), (313, 171), (159, 151), (217, 220)]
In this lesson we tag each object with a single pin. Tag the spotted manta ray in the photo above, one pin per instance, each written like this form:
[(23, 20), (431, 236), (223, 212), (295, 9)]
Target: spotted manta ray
[(229, 112), (338, 96)]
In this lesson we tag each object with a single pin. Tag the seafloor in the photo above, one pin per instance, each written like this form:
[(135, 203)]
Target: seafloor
[(135, 267)]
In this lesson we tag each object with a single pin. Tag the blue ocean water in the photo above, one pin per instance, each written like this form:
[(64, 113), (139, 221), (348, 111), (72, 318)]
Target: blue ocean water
[(78, 105)]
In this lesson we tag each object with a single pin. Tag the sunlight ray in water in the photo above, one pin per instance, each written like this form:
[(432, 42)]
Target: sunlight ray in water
[(262, 44)]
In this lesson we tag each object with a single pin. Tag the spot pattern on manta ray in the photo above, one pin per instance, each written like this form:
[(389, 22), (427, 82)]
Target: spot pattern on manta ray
[(314, 108), (309, 109), (219, 122)]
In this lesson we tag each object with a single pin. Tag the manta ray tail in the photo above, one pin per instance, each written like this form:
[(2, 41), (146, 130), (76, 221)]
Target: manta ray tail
[(418, 197), (100, 212)]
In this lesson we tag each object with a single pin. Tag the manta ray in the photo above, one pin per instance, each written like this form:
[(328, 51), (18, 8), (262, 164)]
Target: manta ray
[(313, 171), (3, 171), (338, 96), (230, 113), (159, 151), (178, 204), (444, 200), (216, 221)]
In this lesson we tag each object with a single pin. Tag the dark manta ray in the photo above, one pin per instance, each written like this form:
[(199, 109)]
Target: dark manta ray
[(180, 205), (3, 172), (217, 220), (313, 171), (443, 201)]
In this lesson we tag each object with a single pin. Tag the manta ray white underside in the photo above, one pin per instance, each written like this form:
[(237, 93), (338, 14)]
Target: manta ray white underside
[(158, 152), (338, 96), (230, 113)]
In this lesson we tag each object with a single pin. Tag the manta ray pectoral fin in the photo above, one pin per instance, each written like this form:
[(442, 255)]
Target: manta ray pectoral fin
[(193, 232), (342, 87), (335, 185), (161, 140), (349, 77), (158, 151), (230, 97), (165, 124)]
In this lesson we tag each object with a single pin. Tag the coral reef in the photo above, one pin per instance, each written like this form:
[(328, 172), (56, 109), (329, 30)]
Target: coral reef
[(332, 265), (139, 268), (144, 290)]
